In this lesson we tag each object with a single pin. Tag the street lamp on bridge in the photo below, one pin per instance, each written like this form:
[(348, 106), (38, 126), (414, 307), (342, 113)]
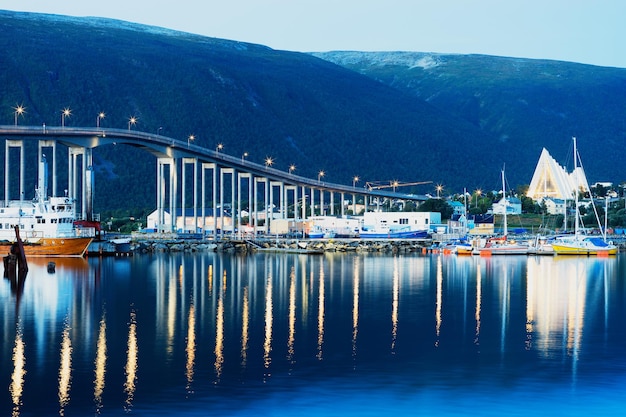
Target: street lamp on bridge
[(190, 139), (132, 121), (20, 110), (439, 188), (101, 116), (66, 112), (219, 147), (320, 175), (292, 168), (354, 181), (243, 157), (268, 162)]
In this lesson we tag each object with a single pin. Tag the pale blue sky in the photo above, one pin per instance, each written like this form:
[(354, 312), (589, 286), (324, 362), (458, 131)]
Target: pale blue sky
[(586, 31)]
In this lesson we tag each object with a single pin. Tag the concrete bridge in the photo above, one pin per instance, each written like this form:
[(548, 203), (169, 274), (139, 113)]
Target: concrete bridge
[(212, 173)]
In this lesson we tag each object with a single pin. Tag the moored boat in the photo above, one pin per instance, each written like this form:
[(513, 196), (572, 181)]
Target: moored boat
[(578, 243), (46, 224)]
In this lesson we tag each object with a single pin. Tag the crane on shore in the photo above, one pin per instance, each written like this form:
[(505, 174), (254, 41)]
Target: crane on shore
[(379, 185)]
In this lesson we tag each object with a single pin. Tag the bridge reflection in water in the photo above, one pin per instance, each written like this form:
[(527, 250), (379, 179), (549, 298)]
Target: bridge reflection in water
[(214, 175), (164, 332)]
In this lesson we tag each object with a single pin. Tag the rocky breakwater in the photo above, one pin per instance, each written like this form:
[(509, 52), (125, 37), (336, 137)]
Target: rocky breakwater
[(281, 245)]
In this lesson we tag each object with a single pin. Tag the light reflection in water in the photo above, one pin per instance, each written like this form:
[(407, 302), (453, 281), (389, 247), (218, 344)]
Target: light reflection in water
[(131, 362), (320, 315), (292, 315), (439, 296), (171, 314), (17, 377), (245, 326), (65, 369), (478, 304), (267, 344), (100, 364), (219, 336), (355, 305), (190, 349), (395, 304)]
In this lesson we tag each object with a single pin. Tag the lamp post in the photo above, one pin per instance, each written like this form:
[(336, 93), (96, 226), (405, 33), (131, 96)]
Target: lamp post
[(19, 111), (190, 139), (243, 157), (219, 147), (66, 112), (132, 121), (439, 188), (268, 162), (320, 175), (292, 168), (101, 116), (159, 130), (354, 181), (478, 193), (394, 185)]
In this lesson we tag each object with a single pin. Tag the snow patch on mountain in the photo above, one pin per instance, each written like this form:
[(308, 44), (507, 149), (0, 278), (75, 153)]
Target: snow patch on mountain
[(424, 60)]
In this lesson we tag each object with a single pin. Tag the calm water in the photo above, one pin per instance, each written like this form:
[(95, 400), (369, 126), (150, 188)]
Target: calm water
[(333, 335)]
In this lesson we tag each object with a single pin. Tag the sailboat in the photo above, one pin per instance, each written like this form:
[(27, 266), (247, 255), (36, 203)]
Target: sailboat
[(501, 245), (579, 244)]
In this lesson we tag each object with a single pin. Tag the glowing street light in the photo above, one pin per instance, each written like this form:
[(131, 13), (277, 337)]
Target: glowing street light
[(395, 184), (159, 130), (20, 110), (292, 168), (66, 112), (101, 116), (439, 188), (243, 157), (354, 181), (268, 162), (132, 121), (478, 193), (320, 175), (219, 147), (190, 139)]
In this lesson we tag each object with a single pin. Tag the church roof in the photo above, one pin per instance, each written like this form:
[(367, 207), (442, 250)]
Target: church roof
[(551, 180)]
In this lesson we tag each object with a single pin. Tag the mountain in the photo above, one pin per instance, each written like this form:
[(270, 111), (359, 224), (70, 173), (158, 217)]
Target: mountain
[(454, 125), (524, 104)]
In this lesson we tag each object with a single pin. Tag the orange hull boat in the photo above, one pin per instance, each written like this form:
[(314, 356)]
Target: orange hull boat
[(72, 246)]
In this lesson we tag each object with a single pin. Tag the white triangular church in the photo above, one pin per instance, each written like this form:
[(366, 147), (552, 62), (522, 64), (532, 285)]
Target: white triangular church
[(552, 181)]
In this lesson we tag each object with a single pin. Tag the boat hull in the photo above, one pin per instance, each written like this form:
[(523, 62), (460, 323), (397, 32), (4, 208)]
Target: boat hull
[(504, 250), (413, 234), (565, 249), (73, 246)]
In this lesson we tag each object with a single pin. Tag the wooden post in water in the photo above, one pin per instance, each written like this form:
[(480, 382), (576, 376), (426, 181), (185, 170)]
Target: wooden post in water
[(15, 265)]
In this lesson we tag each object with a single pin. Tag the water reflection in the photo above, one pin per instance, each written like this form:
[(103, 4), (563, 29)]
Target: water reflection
[(214, 324), (65, 368), (131, 362), (17, 377), (100, 363)]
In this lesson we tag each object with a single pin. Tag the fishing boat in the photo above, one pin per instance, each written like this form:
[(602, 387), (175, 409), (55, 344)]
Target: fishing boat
[(46, 224), (578, 243), (502, 245)]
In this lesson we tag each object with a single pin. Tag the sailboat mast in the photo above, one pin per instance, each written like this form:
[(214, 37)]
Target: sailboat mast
[(506, 232), (576, 220)]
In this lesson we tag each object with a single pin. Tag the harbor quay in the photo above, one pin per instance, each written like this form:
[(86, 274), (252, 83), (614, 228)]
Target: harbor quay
[(287, 245)]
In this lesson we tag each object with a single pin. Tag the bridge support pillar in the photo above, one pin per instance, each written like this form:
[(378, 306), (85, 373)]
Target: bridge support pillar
[(240, 177), (7, 177), (50, 144)]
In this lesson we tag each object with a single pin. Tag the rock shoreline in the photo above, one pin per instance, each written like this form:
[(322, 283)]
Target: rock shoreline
[(286, 245)]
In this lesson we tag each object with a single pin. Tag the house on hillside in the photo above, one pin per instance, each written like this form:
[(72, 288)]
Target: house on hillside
[(512, 205)]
